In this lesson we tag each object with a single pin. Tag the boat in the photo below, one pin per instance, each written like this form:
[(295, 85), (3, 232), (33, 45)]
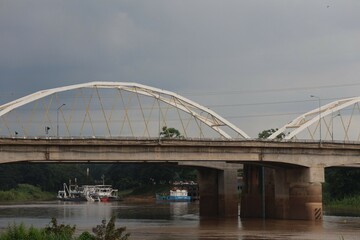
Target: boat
[(90, 193), (104, 193), (72, 193), (175, 195)]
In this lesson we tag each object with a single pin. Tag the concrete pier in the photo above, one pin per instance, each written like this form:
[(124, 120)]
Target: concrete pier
[(289, 193), (218, 192)]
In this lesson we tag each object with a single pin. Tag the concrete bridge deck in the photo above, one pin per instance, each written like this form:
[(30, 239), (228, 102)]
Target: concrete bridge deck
[(297, 153)]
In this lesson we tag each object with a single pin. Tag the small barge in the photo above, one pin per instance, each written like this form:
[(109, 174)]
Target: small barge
[(175, 195)]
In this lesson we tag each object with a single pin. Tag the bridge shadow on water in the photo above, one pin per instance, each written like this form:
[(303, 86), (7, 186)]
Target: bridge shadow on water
[(332, 227)]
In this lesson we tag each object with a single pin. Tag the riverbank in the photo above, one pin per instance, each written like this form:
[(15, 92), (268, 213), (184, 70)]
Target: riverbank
[(28, 193), (55, 231), (347, 203), (25, 192), (143, 194)]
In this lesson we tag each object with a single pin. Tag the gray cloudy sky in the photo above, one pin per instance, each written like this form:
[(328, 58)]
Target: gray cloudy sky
[(254, 62)]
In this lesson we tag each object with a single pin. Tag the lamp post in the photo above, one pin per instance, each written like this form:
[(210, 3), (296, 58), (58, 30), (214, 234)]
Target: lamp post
[(332, 125), (57, 119), (313, 96)]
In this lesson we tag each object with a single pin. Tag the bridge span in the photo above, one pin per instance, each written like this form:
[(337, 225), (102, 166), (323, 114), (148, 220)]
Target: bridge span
[(131, 122), (263, 152), (294, 171)]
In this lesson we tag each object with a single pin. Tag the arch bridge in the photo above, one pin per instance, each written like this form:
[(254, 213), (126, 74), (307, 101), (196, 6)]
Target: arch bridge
[(129, 122)]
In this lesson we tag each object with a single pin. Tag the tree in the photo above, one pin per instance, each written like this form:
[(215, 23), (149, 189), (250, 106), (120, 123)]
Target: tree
[(107, 231), (170, 133), (342, 182), (267, 133)]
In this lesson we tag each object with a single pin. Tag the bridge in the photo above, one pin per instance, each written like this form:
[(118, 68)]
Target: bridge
[(137, 123)]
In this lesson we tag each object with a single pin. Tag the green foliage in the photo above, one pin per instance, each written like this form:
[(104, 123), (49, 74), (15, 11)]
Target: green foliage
[(267, 133), (16, 232), (86, 236), (352, 202), (132, 176), (25, 192), (64, 232), (59, 230), (109, 232), (342, 182), (52, 176), (170, 133)]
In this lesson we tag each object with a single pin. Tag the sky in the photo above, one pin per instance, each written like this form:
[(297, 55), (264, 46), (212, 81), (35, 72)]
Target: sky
[(256, 63)]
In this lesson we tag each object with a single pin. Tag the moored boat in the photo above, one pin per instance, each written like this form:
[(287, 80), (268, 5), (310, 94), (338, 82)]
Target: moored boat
[(105, 193), (90, 193), (72, 193), (175, 195)]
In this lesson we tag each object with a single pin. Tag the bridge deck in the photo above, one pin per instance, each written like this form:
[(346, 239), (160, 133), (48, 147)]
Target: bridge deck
[(301, 153)]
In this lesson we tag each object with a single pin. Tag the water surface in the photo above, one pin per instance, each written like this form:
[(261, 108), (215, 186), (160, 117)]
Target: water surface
[(175, 221)]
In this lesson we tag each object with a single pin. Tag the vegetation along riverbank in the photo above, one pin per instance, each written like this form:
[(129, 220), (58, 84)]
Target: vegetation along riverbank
[(54, 231), (25, 192), (349, 202), (140, 181)]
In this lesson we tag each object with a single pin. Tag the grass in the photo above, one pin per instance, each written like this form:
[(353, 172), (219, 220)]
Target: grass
[(25, 192), (352, 202), (54, 231), (15, 232)]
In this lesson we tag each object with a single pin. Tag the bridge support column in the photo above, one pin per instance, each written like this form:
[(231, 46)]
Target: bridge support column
[(218, 192), (305, 193), (251, 195), (294, 193)]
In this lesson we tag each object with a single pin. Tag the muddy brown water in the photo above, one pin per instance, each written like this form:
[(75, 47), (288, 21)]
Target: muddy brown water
[(175, 221)]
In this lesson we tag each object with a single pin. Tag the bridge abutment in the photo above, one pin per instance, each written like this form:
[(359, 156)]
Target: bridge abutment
[(218, 192), (289, 193)]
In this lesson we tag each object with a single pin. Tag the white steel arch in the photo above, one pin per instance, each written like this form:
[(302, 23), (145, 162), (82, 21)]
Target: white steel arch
[(182, 103), (302, 122)]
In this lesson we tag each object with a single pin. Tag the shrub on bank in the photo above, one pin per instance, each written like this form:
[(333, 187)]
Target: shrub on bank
[(15, 232), (54, 231), (352, 202), (25, 192)]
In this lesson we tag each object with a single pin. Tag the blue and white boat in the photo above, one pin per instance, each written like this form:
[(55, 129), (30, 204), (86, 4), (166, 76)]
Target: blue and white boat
[(175, 195)]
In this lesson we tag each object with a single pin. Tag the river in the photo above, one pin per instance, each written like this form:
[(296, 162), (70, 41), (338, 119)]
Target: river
[(175, 221)]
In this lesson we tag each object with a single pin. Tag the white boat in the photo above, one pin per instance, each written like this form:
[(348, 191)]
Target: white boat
[(103, 193), (91, 193), (71, 193), (175, 195)]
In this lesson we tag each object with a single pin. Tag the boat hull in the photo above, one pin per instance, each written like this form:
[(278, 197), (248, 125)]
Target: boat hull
[(173, 198)]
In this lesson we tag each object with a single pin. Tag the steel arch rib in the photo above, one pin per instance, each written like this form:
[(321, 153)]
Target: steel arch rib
[(183, 103), (300, 123)]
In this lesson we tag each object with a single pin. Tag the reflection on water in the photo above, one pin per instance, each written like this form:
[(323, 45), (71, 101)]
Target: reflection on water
[(174, 221)]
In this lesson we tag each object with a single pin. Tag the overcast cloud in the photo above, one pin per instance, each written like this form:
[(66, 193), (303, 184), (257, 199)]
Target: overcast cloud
[(222, 54)]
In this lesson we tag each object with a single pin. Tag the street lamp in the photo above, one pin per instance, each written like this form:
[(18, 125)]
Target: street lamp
[(47, 128), (57, 119), (313, 96), (332, 125)]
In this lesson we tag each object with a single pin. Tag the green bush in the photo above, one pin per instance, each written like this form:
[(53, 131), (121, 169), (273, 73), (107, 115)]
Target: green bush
[(352, 202), (109, 232), (86, 236), (65, 231), (16, 232), (25, 192), (54, 231)]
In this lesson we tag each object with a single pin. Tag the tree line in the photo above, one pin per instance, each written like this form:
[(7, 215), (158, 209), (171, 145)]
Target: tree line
[(50, 177)]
